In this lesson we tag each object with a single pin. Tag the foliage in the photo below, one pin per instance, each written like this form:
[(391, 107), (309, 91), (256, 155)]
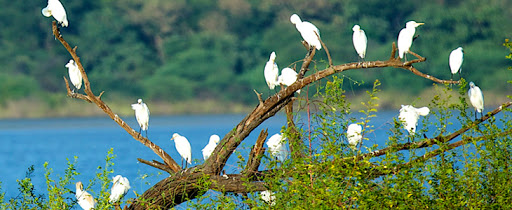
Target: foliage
[(154, 48), (61, 191)]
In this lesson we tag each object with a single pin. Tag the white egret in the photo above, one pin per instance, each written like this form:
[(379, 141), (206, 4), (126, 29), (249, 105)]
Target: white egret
[(183, 147), (455, 61), (268, 197), (409, 116), (354, 135), (120, 187), (142, 115), (74, 74), (405, 37), (271, 71), (308, 31), (476, 98), (212, 143), (85, 200), (360, 41), (288, 77), (56, 10), (277, 147)]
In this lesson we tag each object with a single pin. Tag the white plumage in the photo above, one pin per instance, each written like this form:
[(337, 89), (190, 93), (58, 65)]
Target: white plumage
[(268, 197), (277, 147), (476, 98), (55, 9), (74, 74), (142, 115), (405, 37), (120, 187), (183, 148), (271, 71), (288, 77), (455, 61), (212, 143), (354, 135), (409, 116), (308, 31), (85, 200), (360, 41)]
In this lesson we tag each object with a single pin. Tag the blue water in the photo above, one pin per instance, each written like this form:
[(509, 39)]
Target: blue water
[(29, 142), (35, 141)]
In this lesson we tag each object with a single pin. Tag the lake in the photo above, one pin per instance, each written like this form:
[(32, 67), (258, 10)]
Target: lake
[(27, 142)]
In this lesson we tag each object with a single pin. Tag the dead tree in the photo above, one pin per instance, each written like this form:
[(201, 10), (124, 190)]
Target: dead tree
[(182, 185)]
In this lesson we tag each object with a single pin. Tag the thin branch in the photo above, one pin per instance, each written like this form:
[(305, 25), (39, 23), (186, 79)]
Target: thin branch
[(259, 96), (156, 164), (75, 95), (253, 163), (97, 100), (326, 50)]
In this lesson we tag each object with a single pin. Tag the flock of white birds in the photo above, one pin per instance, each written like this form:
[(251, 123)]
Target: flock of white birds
[(409, 115)]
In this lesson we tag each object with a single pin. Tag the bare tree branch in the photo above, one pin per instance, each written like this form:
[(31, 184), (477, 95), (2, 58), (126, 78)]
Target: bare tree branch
[(255, 155), (173, 166)]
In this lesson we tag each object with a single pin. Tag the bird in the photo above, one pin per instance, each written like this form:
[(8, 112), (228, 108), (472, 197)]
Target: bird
[(142, 115), (455, 61), (120, 187), (360, 41), (405, 38), (276, 147), (55, 9), (476, 98), (74, 74), (288, 77), (308, 31), (354, 135), (409, 116), (271, 71), (268, 197), (183, 147), (85, 200), (212, 143)]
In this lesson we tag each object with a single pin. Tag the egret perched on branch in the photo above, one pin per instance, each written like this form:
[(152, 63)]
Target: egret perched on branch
[(354, 135), (74, 74), (308, 31), (56, 10), (409, 116), (405, 37), (120, 187), (212, 143), (85, 200), (476, 98), (456, 58), (271, 71), (268, 197), (183, 147), (359, 39), (142, 115), (288, 77), (277, 147)]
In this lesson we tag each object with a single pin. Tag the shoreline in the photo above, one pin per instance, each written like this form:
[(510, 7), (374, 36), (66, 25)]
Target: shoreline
[(57, 106)]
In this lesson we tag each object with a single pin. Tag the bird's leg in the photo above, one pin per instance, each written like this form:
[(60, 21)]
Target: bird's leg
[(182, 162), (186, 164), (482, 114), (140, 130), (146, 133)]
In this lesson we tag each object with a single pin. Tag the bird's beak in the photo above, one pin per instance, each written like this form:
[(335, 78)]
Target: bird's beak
[(419, 24), (172, 138)]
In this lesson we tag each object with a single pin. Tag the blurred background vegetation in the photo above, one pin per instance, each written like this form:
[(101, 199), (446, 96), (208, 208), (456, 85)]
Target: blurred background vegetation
[(181, 53)]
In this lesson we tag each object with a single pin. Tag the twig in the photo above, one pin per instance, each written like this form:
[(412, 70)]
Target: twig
[(156, 164), (326, 50)]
